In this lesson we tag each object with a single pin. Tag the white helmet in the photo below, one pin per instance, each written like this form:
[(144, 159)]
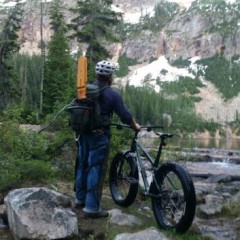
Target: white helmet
[(105, 68)]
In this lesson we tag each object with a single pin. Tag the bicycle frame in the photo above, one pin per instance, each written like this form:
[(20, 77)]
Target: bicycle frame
[(138, 148)]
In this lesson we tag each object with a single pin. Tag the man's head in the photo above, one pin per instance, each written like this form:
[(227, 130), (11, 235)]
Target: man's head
[(104, 71), (105, 68)]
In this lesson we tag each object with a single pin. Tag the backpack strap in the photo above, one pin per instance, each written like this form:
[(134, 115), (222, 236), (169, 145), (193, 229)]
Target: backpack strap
[(102, 88), (106, 121)]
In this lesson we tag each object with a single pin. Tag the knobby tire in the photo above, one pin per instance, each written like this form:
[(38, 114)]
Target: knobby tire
[(174, 201), (123, 179)]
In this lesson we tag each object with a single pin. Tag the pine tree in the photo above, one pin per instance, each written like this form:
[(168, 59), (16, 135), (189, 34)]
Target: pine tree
[(93, 25), (9, 45), (58, 80), (28, 68)]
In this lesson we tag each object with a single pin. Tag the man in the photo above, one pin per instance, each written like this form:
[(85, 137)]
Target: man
[(94, 146)]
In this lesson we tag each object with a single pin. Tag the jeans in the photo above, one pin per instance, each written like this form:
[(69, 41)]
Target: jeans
[(92, 156)]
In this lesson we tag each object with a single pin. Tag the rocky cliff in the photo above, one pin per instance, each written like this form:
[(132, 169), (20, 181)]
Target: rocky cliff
[(201, 30), (196, 31)]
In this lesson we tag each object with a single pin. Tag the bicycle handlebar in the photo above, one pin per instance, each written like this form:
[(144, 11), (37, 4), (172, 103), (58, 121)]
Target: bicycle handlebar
[(163, 136), (149, 128)]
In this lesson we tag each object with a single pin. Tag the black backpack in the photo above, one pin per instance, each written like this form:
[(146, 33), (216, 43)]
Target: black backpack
[(85, 116)]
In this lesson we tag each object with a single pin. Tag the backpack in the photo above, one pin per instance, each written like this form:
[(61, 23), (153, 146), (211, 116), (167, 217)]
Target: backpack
[(85, 116)]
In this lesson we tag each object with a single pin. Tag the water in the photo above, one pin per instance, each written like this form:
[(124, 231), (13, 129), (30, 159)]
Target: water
[(214, 168), (218, 143), (217, 150), (233, 144)]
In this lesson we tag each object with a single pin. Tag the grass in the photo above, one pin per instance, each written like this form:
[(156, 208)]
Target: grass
[(231, 210)]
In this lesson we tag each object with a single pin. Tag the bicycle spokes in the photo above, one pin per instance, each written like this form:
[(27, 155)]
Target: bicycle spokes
[(124, 173), (173, 197), (172, 200)]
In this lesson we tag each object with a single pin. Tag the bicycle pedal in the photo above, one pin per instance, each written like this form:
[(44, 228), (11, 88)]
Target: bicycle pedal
[(132, 180), (143, 196)]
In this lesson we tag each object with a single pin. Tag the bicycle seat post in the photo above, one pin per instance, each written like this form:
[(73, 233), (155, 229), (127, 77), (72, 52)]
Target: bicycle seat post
[(160, 147)]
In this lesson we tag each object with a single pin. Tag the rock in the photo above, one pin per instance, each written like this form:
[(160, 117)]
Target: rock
[(216, 230), (40, 213), (202, 189), (211, 199), (141, 48), (122, 219), (149, 234), (210, 209), (31, 127), (219, 178), (3, 209), (236, 197)]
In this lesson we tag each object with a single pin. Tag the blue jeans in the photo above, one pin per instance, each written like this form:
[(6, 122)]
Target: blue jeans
[(92, 154)]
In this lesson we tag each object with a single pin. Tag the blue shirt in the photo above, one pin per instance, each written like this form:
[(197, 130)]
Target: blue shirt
[(111, 102)]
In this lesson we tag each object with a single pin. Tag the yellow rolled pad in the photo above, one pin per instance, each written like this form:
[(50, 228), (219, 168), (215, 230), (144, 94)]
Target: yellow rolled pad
[(82, 77)]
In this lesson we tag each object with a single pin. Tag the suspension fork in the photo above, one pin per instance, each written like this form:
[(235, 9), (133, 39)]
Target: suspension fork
[(122, 163)]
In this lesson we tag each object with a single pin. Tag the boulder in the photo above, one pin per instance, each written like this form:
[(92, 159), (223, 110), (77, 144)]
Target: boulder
[(123, 219), (40, 213), (149, 234)]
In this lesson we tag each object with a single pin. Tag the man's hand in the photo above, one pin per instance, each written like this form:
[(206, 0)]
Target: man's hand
[(135, 126)]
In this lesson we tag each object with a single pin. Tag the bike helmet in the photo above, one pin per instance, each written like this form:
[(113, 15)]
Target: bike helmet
[(105, 68)]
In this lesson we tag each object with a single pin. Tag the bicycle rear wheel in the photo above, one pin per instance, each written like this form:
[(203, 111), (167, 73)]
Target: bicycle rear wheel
[(174, 201), (123, 179)]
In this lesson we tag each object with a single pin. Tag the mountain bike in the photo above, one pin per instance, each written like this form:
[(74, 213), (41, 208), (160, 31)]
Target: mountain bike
[(171, 188)]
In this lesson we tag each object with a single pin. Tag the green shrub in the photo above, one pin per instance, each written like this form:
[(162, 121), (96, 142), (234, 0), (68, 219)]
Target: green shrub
[(18, 172), (180, 63), (22, 144), (124, 63), (223, 73), (231, 210)]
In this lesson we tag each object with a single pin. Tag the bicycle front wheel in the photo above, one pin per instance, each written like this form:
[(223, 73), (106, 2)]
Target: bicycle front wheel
[(174, 198), (123, 179)]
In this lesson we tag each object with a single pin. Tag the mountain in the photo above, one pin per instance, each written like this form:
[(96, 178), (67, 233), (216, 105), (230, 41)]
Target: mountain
[(167, 40), (194, 32), (199, 31)]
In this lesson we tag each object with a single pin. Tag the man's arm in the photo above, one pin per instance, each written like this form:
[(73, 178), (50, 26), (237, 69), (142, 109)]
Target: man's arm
[(135, 126)]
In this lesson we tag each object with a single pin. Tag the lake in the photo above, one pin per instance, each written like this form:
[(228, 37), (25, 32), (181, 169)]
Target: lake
[(233, 144), (207, 143)]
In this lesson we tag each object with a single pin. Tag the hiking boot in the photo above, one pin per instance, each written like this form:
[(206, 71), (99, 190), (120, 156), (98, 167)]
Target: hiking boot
[(102, 214), (79, 205)]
